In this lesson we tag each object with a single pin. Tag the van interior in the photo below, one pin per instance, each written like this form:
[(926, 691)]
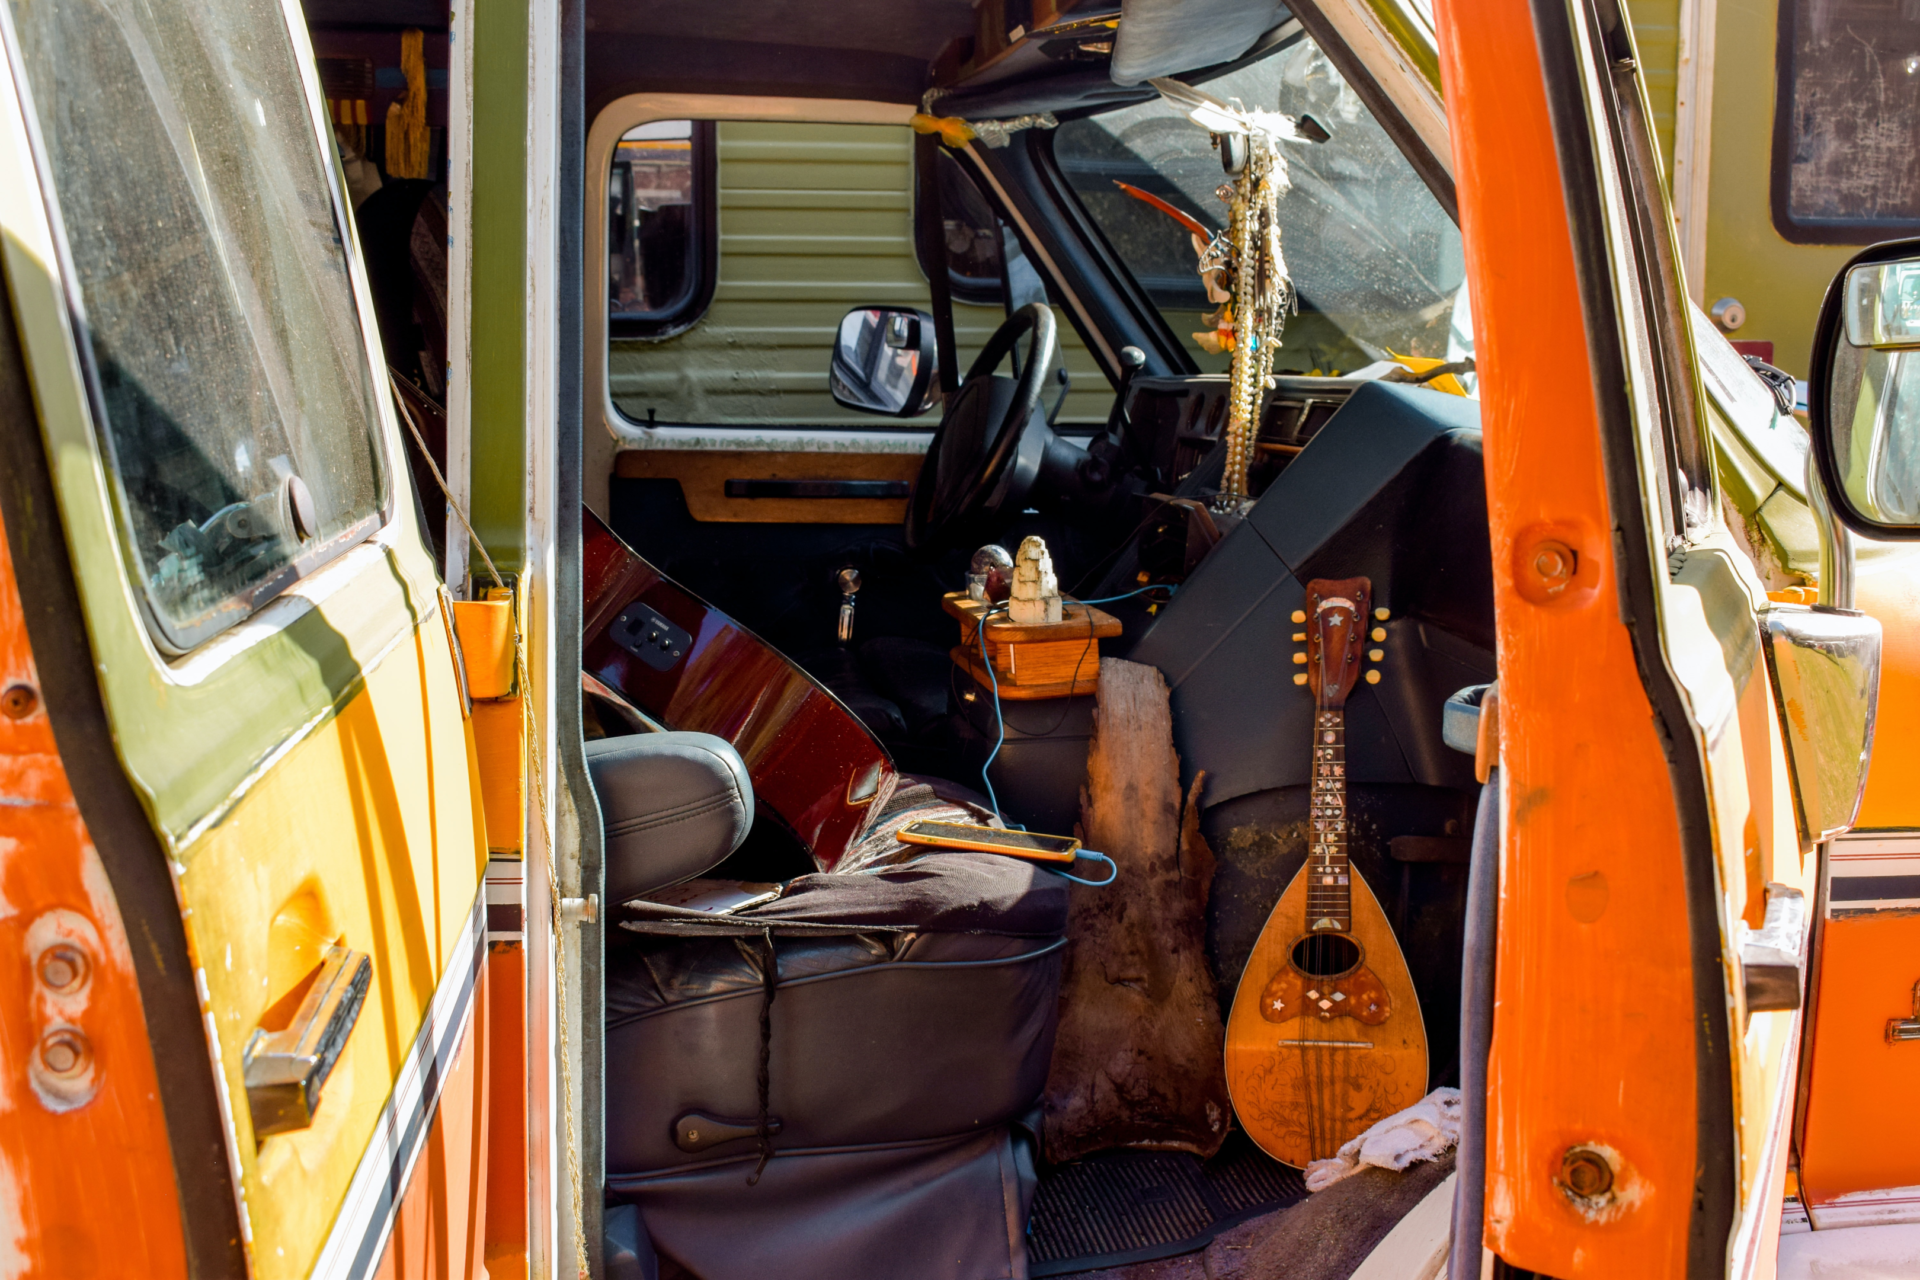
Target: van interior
[(847, 1070)]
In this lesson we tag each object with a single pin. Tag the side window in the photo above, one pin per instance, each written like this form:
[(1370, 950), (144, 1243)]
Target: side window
[(975, 262), (661, 241), (229, 374), (1845, 170), (810, 220)]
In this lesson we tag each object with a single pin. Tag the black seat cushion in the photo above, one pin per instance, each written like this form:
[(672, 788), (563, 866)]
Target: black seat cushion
[(932, 1015), (673, 804)]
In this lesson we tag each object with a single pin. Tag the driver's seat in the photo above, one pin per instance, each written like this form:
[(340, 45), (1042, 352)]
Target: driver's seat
[(833, 1082)]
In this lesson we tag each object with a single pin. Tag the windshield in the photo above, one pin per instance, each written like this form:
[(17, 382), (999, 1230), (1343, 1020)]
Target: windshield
[(1375, 258)]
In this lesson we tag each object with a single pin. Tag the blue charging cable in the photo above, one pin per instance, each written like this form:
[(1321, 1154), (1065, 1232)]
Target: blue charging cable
[(1000, 725)]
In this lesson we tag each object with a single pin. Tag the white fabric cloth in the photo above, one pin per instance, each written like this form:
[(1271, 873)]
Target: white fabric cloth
[(1424, 1131)]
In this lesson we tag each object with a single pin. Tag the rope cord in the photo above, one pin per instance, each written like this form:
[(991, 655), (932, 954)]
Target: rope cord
[(769, 987), (530, 727)]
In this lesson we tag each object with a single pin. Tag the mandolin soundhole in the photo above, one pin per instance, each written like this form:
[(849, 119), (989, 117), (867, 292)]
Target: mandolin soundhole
[(1326, 955)]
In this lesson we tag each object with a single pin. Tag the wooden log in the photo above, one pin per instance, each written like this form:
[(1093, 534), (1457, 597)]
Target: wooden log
[(1138, 1060)]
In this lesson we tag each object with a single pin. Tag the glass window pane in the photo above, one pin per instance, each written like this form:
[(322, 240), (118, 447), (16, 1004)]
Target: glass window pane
[(1375, 258), (1850, 71), (210, 266), (657, 226)]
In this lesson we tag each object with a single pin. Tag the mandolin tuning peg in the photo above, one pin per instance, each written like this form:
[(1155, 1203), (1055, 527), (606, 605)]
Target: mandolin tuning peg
[(1299, 615), (1374, 655), (1379, 633), (1381, 614), (1299, 637), (1373, 675), (1299, 677), (1300, 659)]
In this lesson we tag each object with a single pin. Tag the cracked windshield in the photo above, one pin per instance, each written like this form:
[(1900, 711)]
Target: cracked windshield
[(1375, 259)]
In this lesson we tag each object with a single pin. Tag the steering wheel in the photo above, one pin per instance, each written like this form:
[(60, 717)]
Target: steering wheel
[(962, 481)]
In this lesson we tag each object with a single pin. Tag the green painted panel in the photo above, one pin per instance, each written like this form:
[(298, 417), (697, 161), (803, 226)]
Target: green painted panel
[(192, 732), (1656, 40), (499, 277), (815, 219), (1779, 283)]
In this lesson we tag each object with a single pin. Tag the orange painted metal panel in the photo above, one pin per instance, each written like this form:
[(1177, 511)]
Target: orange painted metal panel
[(499, 752), (1868, 965), (86, 1175), (439, 1231), (508, 1210), (1593, 1037)]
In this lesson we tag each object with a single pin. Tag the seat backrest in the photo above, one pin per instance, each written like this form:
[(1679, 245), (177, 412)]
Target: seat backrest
[(673, 804)]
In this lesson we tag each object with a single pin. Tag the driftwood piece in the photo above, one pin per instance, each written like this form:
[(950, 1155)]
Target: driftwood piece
[(1138, 1061)]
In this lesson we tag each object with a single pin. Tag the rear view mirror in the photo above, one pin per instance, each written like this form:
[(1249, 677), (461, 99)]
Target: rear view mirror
[(1865, 392), (884, 362)]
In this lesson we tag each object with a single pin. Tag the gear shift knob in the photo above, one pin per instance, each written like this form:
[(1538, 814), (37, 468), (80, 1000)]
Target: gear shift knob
[(848, 580)]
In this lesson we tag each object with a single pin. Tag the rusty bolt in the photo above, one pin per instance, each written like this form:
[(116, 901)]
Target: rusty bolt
[(63, 967), (64, 1052), (1586, 1172), (19, 701), (1555, 563)]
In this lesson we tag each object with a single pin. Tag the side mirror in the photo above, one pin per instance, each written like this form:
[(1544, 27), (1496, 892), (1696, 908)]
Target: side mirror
[(1865, 392), (884, 361)]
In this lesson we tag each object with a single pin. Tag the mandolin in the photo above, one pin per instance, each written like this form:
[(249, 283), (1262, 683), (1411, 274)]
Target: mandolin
[(1325, 1037)]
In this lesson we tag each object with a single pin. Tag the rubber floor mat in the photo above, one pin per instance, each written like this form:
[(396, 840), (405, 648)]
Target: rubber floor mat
[(1133, 1206)]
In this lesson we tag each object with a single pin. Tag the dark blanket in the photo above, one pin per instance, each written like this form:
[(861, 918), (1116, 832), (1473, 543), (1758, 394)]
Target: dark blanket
[(1138, 1061)]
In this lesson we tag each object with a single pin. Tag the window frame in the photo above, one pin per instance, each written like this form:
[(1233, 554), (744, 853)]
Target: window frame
[(172, 643), (697, 296), (1823, 231), (967, 289)]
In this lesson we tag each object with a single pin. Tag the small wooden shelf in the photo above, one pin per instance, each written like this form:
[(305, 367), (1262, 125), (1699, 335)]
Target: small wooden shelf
[(1050, 660)]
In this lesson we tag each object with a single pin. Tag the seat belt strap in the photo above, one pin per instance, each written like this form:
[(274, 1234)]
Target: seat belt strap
[(931, 229)]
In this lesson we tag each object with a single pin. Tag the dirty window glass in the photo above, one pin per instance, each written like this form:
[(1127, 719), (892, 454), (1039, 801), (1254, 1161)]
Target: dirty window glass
[(814, 220), (1375, 258), (659, 225), (1845, 167), (237, 404)]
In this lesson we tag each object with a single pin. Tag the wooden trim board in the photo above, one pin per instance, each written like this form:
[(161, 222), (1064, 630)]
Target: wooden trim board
[(703, 476)]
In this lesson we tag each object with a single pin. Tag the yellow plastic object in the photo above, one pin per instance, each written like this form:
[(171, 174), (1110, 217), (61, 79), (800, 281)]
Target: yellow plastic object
[(485, 628), (1420, 364), (953, 131)]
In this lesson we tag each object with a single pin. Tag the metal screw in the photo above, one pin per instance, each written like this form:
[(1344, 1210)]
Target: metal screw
[(63, 966), (1555, 563), (1728, 314), (1586, 1172), (64, 1052), (19, 701)]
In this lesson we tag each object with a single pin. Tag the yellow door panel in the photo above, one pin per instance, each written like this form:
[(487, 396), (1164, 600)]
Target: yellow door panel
[(365, 834)]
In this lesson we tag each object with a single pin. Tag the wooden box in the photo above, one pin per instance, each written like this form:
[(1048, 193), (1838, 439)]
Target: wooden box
[(1052, 660)]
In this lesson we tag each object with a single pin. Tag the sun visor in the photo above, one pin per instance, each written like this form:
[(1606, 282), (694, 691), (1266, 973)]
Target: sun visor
[(1166, 37)]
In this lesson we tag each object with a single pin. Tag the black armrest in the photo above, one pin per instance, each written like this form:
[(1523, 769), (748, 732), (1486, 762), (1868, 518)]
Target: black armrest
[(674, 805)]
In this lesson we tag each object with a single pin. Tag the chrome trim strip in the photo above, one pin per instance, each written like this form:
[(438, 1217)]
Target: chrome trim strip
[(1867, 1208), (367, 1212), (1869, 871)]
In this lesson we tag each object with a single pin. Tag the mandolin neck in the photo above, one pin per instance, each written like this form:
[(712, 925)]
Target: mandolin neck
[(1329, 883)]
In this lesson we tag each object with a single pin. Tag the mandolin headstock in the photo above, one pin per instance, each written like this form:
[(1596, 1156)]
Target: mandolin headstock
[(1337, 615)]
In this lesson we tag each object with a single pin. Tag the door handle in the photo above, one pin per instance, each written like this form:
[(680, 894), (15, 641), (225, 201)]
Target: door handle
[(1773, 957), (285, 1070), (1899, 1029)]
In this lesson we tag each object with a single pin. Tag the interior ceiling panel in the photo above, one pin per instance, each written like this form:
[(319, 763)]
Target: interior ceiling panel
[(870, 49)]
